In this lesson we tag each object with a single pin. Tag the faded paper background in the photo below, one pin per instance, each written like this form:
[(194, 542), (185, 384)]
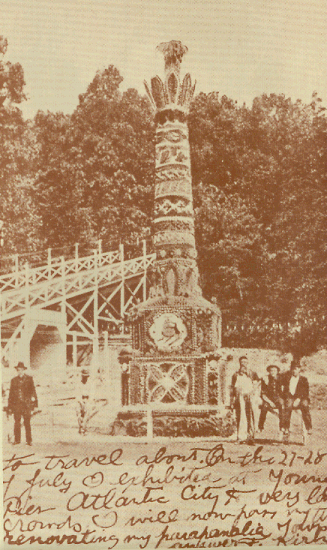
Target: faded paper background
[(266, 491)]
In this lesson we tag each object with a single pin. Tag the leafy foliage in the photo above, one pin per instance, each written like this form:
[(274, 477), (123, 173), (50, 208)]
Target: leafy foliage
[(259, 178), (18, 151), (11, 78), (96, 170), (260, 192)]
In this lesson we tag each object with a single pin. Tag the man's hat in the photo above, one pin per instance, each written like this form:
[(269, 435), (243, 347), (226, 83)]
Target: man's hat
[(20, 365), (85, 372), (273, 367)]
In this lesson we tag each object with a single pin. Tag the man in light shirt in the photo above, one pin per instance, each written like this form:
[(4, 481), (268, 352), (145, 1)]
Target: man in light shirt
[(85, 406), (296, 396), (241, 401)]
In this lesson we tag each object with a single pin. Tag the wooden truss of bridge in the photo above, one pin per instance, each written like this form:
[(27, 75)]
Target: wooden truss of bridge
[(81, 296)]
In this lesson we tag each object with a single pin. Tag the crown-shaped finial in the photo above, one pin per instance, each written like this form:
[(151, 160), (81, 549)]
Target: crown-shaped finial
[(172, 93)]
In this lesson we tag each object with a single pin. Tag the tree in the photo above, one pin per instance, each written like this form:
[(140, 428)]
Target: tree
[(18, 150), (96, 166), (11, 78), (271, 159), (297, 235)]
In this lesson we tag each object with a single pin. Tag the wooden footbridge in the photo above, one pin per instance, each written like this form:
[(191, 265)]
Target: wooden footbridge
[(82, 298)]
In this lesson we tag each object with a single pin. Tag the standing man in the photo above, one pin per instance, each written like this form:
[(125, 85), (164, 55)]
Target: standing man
[(296, 396), (241, 401), (85, 407), (22, 400), (271, 394)]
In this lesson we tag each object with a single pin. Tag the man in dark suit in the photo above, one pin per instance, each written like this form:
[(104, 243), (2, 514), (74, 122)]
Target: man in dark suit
[(271, 394), (296, 396), (22, 399)]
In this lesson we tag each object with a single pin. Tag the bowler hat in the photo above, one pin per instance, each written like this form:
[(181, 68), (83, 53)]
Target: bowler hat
[(20, 365), (272, 367)]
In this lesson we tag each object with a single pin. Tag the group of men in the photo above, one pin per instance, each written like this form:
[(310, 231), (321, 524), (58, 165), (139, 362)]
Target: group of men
[(280, 393)]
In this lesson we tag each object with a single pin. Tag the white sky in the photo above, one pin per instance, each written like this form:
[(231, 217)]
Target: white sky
[(241, 48)]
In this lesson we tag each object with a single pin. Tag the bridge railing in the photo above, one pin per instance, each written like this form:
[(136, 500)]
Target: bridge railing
[(10, 263), (27, 275)]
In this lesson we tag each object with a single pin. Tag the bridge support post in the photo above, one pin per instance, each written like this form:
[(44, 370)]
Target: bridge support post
[(144, 277), (95, 361), (105, 364), (74, 351), (122, 288), (25, 336)]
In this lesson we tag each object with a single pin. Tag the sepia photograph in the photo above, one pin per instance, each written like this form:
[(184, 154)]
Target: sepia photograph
[(163, 270)]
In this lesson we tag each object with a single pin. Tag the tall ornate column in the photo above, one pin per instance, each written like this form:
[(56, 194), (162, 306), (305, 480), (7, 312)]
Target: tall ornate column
[(176, 329)]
